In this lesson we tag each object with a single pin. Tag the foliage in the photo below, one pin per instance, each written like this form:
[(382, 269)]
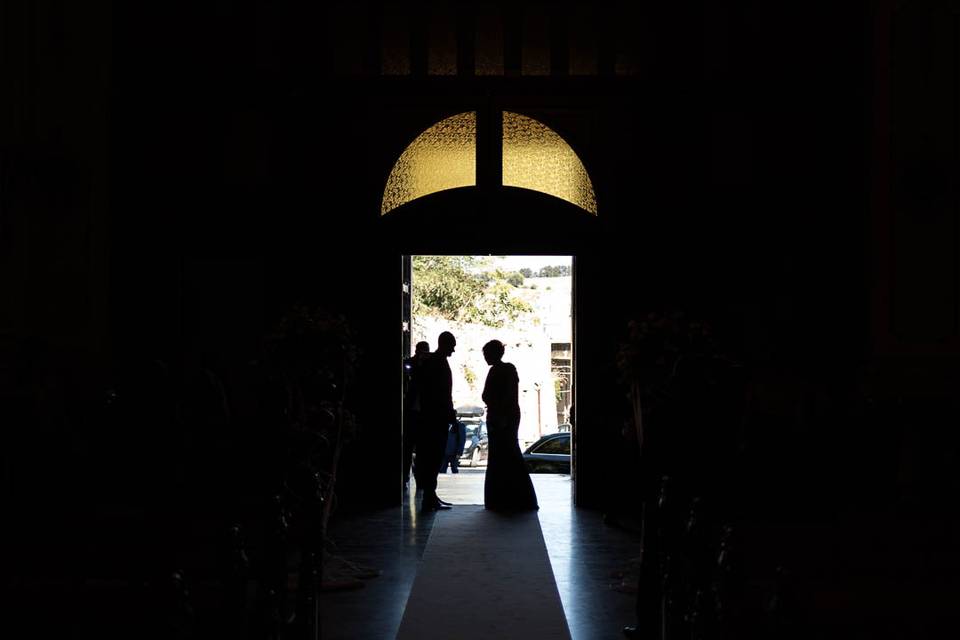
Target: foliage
[(656, 342), (316, 345), (556, 271), (312, 356), (648, 358), (469, 376), (456, 288), (445, 285), (314, 353)]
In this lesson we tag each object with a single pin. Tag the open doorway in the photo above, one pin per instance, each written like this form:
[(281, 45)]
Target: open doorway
[(526, 302)]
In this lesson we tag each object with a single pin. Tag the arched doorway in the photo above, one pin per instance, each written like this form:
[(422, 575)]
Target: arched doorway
[(494, 182)]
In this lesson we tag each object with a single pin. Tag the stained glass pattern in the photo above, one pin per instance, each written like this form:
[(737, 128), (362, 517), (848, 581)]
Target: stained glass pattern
[(442, 157), (536, 157)]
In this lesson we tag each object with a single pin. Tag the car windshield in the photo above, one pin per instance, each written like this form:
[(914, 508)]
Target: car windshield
[(559, 445), (472, 427)]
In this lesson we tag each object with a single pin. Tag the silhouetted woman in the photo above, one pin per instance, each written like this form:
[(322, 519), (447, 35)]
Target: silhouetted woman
[(507, 486)]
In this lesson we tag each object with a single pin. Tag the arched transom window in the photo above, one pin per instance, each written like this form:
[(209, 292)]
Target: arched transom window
[(444, 157)]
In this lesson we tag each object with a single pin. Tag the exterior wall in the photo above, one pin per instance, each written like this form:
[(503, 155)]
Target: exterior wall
[(528, 350)]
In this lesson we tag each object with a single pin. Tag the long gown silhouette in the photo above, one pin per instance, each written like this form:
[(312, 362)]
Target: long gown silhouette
[(507, 486)]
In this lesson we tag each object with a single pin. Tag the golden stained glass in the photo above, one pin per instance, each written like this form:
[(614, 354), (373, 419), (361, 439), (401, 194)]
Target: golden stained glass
[(442, 157), (536, 157)]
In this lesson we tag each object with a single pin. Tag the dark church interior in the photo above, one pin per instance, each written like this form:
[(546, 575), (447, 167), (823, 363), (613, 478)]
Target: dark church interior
[(201, 319)]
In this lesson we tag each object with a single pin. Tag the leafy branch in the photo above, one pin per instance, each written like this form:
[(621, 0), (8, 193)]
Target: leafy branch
[(457, 288)]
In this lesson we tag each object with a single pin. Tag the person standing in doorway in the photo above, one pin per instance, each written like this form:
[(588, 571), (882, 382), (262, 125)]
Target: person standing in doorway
[(507, 485), (456, 441), (411, 405), (436, 414)]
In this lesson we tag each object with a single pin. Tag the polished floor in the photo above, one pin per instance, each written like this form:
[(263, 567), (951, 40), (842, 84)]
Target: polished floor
[(585, 555)]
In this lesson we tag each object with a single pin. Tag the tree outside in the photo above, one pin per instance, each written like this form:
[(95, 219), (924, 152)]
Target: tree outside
[(481, 298)]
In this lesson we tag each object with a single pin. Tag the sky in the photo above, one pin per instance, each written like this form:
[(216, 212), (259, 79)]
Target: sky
[(515, 263)]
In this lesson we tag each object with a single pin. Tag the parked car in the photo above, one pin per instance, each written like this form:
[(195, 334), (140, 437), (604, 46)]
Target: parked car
[(475, 447), (471, 411), (549, 454)]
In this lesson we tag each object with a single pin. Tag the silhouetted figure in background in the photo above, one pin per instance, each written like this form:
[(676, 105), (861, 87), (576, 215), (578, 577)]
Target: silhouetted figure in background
[(436, 413), (411, 406), (456, 441), (507, 486)]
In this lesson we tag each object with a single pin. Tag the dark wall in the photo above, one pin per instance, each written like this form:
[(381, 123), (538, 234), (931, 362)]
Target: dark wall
[(176, 178), (729, 175)]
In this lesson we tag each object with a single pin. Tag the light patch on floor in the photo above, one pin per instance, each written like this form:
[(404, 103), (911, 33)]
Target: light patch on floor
[(508, 571)]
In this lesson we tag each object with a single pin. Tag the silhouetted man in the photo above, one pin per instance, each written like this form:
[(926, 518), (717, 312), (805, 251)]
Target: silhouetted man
[(436, 415), (411, 404)]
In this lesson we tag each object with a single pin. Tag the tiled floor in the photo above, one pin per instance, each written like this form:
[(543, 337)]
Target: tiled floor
[(583, 554)]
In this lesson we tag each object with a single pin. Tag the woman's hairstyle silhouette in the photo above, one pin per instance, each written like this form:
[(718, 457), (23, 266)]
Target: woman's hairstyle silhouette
[(494, 349)]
